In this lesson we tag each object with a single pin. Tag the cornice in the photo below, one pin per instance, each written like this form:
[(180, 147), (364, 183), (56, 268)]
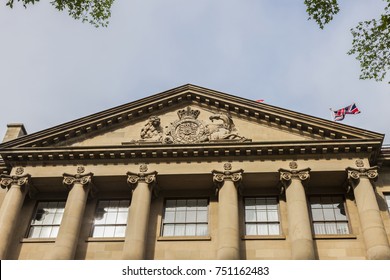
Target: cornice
[(312, 148), (190, 94)]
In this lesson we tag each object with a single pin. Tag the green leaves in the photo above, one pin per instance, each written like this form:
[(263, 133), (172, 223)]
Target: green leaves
[(322, 11), (371, 45), (95, 12)]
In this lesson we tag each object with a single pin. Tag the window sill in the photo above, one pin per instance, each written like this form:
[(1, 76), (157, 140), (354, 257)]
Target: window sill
[(105, 239), (38, 240), (184, 238), (263, 237), (334, 236)]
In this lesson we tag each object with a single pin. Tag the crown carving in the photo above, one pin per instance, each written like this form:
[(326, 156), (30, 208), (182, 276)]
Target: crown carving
[(188, 113)]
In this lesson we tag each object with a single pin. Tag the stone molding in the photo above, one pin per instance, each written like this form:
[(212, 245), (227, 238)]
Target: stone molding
[(149, 178)]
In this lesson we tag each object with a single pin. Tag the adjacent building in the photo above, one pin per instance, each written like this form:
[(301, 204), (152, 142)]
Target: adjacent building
[(193, 173)]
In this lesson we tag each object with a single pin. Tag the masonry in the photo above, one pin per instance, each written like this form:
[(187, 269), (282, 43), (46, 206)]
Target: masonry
[(193, 173)]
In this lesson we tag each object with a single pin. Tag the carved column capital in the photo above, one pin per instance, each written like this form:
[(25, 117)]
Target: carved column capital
[(287, 175), (148, 177), (354, 174), (23, 181), (79, 178), (219, 177)]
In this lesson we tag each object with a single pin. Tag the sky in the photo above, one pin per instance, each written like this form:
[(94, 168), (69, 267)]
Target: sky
[(54, 69)]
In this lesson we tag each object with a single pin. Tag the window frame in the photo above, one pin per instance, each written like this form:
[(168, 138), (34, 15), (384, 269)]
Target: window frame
[(277, 222), (104, 224), (34, 218), (164, 223), (386, 196), (347, 220)]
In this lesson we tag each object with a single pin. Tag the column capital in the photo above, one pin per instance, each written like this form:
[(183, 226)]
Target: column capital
[(287, 175), (219, 177), (6, 181), (354, 174), (79, 178), (142, 176)]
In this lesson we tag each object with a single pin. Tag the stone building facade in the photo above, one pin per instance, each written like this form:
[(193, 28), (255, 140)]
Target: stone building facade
[(192, 173)]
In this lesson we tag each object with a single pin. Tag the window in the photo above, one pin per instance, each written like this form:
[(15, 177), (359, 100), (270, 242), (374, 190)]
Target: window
[(46, 220), (185, 217), (110, 218), (262, 216), (387, 198), (329, 215)]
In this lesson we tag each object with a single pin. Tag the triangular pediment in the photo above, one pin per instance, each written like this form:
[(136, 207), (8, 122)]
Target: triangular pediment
[(252, 122)]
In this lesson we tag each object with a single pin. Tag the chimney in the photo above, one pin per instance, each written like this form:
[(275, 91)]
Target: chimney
[(14, 130)]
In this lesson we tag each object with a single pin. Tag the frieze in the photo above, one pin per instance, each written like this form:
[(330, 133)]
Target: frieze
[(188, 129)]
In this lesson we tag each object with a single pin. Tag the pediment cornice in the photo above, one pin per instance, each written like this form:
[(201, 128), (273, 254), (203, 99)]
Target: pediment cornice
[(189, 94)]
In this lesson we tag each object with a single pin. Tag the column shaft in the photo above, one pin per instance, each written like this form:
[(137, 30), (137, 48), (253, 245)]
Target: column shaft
[(68, 235), (374, 233), (299, 226), (228, 222), (9, 214), (137, 223)]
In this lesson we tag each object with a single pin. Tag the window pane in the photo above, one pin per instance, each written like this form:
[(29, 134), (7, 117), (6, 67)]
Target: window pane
[(57, 219), (261, 216), (111, 218), (342, 228), (170, 205), (180, 217), (261, 203), (201, 217), (120, 231), (331, 228), (191, 203), (273, 216), (121, 218), (34, 232), (273, 229), (262, 229), (250, 216), (319, 228), (251, 229), (250, 203), (54, 231), (191, 217), (48, 219), (179, 230), (109, 231), (98, 231), (181, 205), (45, 232), (168, 230), (169, 217), (329, 215), (387, 197), (340, 214), (190, 230), (201, 230), (317, 214)]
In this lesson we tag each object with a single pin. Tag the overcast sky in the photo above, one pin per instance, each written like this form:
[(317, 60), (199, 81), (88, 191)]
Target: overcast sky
[(54, 69)]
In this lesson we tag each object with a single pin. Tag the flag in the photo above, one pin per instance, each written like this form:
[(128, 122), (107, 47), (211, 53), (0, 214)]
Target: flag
[(339, 115), (260, 100)]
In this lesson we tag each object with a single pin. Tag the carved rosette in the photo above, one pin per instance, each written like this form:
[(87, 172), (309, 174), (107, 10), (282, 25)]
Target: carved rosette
[(354, 174), (23, 181), (287, 175)]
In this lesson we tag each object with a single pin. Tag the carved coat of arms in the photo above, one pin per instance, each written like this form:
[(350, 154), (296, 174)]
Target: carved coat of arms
[(188, 129)]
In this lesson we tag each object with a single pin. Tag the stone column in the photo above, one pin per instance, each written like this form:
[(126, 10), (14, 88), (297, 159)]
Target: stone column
[(299, 225), (138, 218), (227, 183), (17, 186), (68, 234), (374, 233)]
